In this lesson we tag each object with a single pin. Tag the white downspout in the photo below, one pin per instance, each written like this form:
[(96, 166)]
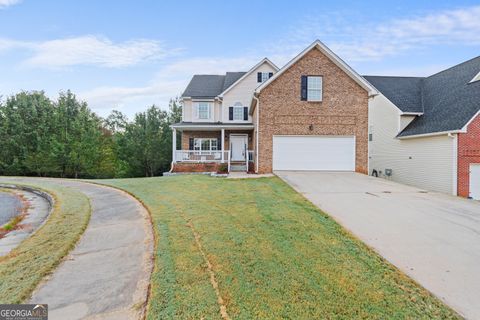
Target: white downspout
[(174, 147), (256, 136)]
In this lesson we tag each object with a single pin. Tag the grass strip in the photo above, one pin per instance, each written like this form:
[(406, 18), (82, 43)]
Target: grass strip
[(37, 256)]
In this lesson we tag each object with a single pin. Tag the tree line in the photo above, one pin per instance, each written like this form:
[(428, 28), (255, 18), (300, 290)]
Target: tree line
[(64, 138)]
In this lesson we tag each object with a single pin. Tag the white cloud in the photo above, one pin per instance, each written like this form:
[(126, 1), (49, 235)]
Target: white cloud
[(168, 82), (366, 41), (88, 50), (91, 50), (8, 3)]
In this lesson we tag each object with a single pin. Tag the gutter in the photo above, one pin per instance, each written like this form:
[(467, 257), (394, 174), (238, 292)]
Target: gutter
[(449, 133)]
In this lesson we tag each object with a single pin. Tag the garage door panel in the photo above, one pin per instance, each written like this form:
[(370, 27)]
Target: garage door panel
[(475, 181), (328, 153)]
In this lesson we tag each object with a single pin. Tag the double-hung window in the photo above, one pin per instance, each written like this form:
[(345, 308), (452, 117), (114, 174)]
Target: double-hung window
[(203, 110), (237, 112), (314, 88), (311, 88)]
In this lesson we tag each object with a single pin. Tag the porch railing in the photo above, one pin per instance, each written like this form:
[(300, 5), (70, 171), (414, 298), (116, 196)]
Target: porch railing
[(209, 156), (200, 156)]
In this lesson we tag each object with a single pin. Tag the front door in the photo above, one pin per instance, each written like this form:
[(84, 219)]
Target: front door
[(238, 145)]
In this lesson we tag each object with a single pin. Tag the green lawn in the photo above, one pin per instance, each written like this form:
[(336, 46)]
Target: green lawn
[(24, 267), (273, 254)]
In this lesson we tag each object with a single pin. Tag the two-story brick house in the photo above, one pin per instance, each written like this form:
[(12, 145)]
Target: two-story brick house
[(310, 115)]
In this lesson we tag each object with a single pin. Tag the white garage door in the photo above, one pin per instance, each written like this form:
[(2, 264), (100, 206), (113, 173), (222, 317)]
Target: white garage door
[(475, 181), (334, 153)]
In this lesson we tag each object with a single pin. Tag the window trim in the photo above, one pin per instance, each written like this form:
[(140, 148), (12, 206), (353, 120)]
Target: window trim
[(200, 144), (320, 89), (240, 113), (264, 76), (197, 112)]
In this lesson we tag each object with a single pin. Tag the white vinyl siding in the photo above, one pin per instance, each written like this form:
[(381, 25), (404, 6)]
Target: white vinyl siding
[(426, 162), (315, 153), (314, 88)]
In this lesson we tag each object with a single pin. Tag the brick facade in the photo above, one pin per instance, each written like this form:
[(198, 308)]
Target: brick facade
[(186, 135), (468, 152), (343, 111), (195, 167)]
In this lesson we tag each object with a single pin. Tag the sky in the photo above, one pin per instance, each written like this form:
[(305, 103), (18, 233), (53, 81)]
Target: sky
[(128, 55)]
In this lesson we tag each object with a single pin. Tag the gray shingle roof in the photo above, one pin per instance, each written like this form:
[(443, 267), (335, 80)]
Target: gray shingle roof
[(404, 92), (447, 98), (231, 78), (210, 85)]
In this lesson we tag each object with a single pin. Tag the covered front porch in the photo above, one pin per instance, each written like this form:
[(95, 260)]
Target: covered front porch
[(212, 148)]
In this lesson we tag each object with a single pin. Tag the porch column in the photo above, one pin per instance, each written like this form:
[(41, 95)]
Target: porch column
[(174, 144), (223, 145)]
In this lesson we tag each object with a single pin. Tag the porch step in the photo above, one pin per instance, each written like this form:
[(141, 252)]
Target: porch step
[(238, 167)]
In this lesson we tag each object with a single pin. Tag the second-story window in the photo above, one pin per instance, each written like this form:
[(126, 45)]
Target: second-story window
[(203, 110), (311, 88), (238, 113), (263, 76)]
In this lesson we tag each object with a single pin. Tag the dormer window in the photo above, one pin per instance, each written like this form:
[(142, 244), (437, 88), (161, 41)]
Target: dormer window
[(202, 110), (263, 76)]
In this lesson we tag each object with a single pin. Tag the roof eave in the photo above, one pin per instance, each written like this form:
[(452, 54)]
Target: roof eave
[(431, 134)]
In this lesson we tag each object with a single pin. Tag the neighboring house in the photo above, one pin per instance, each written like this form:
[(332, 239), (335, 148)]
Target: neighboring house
[(425, 131), (310, 115)]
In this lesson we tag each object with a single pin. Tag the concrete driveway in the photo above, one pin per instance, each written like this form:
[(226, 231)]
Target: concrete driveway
[(432, 237)]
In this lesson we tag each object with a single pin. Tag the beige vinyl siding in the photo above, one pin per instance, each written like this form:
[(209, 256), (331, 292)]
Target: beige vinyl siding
[(242, 92), (426, 162), (405, 121), (188, 112)]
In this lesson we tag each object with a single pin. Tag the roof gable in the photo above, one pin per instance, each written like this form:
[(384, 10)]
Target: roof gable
[(246, 74), (333, 57)]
